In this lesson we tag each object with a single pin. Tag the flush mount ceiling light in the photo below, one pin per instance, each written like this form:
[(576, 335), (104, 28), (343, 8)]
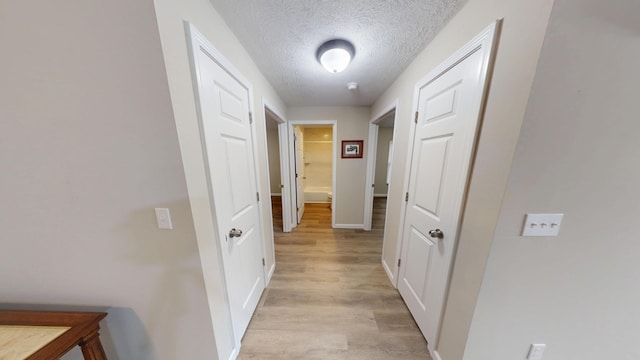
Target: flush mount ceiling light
[(335, 55)]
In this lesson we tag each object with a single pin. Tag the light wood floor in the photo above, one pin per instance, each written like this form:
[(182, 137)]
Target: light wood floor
[(330, 298)]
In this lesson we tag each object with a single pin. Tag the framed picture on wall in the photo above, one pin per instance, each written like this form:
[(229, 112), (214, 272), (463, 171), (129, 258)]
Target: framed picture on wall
[(352, 149)]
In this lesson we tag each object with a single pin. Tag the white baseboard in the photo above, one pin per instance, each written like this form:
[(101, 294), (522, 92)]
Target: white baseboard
[(276, 194), (270, 274), (348, 226), (436, 355), (386, 268), (234, 354), (380, 195), (316, 202)]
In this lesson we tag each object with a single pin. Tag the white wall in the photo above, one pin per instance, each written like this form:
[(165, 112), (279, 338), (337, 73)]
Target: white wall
[(171, 14), (353, 124), (382, 156), (517, 55), (273, 149), (88, 148), (577, 154)]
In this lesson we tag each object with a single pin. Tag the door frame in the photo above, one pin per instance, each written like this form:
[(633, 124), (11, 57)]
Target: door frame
[(334, 162), (196, 39), (486, 40), (374, 125), (284, 168)]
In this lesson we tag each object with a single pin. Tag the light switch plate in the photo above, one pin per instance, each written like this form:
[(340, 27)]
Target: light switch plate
[(542, 224), (163, 216)]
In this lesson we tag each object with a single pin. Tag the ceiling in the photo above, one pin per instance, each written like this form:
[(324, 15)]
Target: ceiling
[(282, 37)]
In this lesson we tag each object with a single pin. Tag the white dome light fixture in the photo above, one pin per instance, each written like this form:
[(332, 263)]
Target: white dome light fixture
[(335, 55)]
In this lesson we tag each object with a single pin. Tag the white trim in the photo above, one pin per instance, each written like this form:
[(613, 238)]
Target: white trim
[(334, 162), (486, 39), (271, 271), (380, 195), (435, 355), (348, 226), (386, 268), (276, 194), (369, 182), (234, 354)]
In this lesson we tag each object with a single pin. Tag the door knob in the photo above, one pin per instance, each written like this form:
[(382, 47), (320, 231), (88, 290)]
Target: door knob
[(437, 233), (235, 233)]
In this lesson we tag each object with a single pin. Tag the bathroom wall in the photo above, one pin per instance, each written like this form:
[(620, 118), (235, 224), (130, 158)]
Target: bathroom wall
[(318, 163), (382, 159)]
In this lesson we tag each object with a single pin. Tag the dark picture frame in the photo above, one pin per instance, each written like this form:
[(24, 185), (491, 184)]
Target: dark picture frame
[(352, 149)]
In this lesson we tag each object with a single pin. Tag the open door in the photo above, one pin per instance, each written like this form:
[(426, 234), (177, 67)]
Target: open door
[(299, 171)]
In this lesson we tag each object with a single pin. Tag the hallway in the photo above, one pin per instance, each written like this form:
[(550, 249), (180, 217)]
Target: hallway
[(330, 298)]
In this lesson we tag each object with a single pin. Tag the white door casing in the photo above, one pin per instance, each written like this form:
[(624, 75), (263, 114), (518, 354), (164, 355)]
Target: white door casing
[(449, 108), (224, 110), (298, 141)]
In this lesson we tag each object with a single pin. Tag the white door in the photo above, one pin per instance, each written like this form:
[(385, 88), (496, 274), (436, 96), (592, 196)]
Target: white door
[(448, 112), (224, 105), (298, 140)]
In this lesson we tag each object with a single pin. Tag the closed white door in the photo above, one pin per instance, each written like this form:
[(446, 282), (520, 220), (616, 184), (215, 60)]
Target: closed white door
[(448, 112), (224, 105), (298, 139)]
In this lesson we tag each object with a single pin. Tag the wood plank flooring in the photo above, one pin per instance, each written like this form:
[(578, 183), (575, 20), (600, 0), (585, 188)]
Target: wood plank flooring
[(330, 298)]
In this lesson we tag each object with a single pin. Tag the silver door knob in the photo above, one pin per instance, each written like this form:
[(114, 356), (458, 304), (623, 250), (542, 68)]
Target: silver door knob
[(235, 233), (437, 233)]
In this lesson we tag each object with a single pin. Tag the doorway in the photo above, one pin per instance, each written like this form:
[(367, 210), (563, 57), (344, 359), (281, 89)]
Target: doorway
[(312, 166), (276, 140), (381, 139)]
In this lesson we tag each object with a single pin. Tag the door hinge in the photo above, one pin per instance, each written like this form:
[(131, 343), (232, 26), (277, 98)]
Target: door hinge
[(416, 119), (258, 196), (373, 185), (250, 118), (263, 262), (296, 176), (281, 186), (406, 197), (297, 208), (399, 261)]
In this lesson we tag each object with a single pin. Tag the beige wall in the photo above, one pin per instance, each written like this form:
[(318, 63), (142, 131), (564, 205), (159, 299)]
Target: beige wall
[(88, 148), (171, 14), (353, 124), (382, 156), (577, 154), (518, 51), (273, 148)]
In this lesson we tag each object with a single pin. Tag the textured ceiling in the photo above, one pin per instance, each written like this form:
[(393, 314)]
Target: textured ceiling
[(282, 37)]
